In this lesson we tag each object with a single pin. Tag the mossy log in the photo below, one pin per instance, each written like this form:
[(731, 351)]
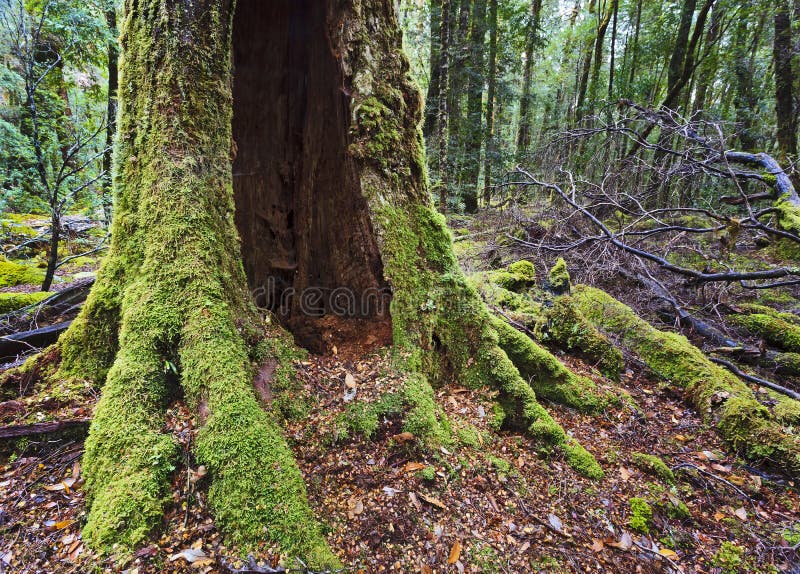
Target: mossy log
[(321, 118), (760, 434)]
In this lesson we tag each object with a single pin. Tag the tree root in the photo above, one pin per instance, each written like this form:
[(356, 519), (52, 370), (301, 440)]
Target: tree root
[(740, 419)]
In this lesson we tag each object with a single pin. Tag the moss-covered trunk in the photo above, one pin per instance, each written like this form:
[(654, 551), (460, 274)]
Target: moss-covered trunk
[(304, 172)]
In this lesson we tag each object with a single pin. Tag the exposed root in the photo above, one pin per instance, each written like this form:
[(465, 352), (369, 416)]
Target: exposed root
[(741, 420)]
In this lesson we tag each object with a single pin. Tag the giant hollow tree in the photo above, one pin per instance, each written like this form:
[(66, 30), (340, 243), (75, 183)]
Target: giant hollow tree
[(264, 147)]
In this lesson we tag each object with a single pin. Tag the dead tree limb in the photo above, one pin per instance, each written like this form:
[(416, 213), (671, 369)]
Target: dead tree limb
[(757, 380)]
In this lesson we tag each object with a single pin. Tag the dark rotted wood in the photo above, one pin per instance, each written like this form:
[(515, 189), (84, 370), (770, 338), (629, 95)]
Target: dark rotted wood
[(16, 431), (22, 343)]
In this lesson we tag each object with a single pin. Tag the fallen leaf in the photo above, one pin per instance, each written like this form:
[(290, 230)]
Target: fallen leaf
[(668, 553), (718, 516), (349, 381), (597, 545), (455, 553), (555, 522), (625, 542), (425, 569), (624, 473), (431, 500), (414, 500), (403, 437), (741, 514), (413, 466)]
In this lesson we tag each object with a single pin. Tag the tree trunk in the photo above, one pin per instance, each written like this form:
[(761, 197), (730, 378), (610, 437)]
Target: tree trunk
[(443, 116), (784, 82), (473, 132), (435, 63), (524, 131), (326, 195), (491, 152), (111, 109)]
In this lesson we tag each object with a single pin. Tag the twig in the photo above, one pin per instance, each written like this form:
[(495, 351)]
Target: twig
[(715, 477), (757, 380)]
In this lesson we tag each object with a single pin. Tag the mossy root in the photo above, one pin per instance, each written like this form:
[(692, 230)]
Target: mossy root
[(750, 427)]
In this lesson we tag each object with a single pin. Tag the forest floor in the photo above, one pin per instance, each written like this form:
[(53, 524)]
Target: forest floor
[(496, 506), (490, 502)]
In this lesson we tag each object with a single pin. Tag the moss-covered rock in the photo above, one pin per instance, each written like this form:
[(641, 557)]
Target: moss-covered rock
[(13, 301), (723, 398), (788, 363), (12, 274)]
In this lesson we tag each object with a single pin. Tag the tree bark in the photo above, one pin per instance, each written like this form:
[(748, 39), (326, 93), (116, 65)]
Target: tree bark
[(531, 41), (435, 63), (489, 155), (473, 132), (784, 82), (222, 200), (111, 109)]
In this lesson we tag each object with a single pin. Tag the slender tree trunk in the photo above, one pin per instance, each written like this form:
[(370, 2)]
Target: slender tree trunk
[(474, 132), (635, 47), (525, 103), (458, 75), (784, 82), (111, 110), (708, 68), (52, 252), (489, 156), (435, 64), (599, 43), (677, 60), (443, 120)]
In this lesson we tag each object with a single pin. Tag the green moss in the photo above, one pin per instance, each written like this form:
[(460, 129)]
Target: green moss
[(469, 436), (788, 215), (773, 330), (788, 363), (380, 131), (364, 418), (424, 418), (559, 280), (641, 515), (569, 329), (517, 277), (785, 409), (547, 375), (582, 460), (754, 308), (719, 395), (12, 274), (14, 301), (729, 558), (676, 509), (651, 464), (427, 473)]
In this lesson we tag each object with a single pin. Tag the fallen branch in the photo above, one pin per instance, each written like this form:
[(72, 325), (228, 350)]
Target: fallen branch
[(704, 472), (19, 343), (15, 431), (757, 380)]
